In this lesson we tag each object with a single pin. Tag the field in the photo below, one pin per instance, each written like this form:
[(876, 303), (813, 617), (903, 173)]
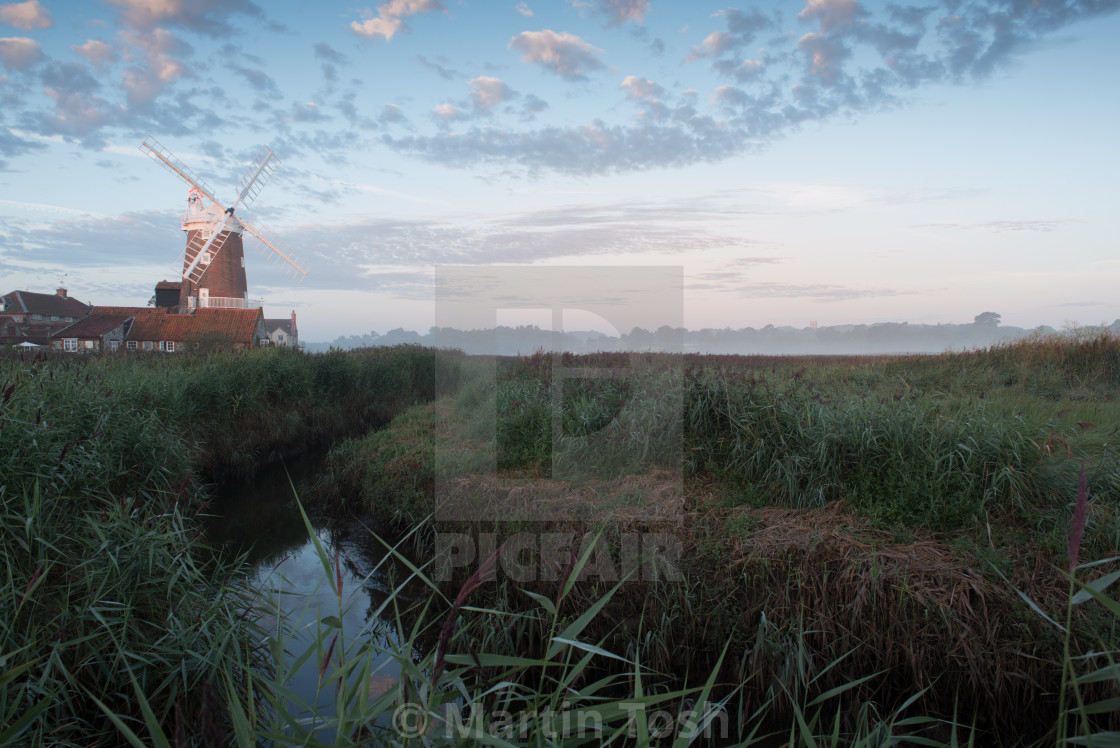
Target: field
[(852, 551), (891, 530)]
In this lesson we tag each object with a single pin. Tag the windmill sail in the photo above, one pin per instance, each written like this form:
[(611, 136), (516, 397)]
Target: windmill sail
[(253, 181), (202, 248), (167, 159), (276, 252)]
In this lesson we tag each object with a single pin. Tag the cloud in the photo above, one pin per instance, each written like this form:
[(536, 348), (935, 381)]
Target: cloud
[(595, 148), (641, 88), (143, 83), (78, 111), (97, 52), (742, 30), (618, 12), (414, 245), (826, 55), (348, 110), (564, 54), (208, 17), (441, 67), (523, 9), (832, 14), (448, 113), (13, 145), (390, 17), (855, 61), (19, 52), (261, 81), (304, 113), (85, 242), (482, 100), (1001, 226), (817, 291), (486, 93), (391, 113), (532, 105), (28, 16), (327, 53)]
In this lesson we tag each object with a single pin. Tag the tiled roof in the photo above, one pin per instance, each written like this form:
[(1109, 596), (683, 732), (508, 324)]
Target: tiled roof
[(92, 326), (128, 311), (169, 285), (30, 302), (272, 325), (239, 326)]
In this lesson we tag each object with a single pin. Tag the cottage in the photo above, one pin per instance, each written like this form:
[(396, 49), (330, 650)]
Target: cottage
[(202, 329), (93, 334), (28, 317), (283, 331)]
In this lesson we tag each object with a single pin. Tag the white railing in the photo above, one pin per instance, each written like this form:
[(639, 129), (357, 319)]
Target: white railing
[(223, 302)]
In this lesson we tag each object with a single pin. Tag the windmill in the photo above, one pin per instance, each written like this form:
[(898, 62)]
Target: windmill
[(214, 261)]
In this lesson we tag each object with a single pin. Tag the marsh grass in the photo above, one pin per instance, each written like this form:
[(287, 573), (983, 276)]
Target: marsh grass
[(857, 506), (828, 594), (108, 591)]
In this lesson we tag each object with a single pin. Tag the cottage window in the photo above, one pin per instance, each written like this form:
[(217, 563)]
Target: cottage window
[(89, 345), (130, 345), (70, 344), (114, 345), (170, 346), (54, 318), (147, 345)]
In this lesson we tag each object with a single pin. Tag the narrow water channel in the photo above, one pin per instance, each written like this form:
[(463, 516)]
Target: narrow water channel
[(263, 520)]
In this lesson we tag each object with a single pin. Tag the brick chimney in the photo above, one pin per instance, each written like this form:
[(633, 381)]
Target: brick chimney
[(60, 292), (294, 322)]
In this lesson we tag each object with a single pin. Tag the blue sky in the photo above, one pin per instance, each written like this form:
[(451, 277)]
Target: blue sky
[(829, 160)]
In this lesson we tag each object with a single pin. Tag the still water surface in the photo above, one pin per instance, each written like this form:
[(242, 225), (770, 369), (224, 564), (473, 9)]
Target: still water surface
[(263, 520)]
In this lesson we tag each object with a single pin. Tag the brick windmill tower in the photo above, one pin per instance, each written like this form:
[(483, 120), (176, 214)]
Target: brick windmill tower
[(214, 261)]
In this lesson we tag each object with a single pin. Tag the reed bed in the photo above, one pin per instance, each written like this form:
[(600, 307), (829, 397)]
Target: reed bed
[(894, 513), (874, 551), (108, 590)]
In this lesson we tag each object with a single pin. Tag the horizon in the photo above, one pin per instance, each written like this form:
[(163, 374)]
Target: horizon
[(828, 160)]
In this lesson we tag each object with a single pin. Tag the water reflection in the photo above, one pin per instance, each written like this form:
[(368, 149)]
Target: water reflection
[(263, 521)]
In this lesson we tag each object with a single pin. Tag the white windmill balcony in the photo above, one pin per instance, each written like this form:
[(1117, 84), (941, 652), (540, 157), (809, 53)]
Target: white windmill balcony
[(223, 302)]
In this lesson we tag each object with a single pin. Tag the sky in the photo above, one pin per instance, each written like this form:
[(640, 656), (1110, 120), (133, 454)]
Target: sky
[(836, 161)]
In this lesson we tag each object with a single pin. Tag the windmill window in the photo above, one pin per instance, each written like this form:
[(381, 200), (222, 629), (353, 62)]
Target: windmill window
[(242, 260), (130, 345), (205, 258), (70, 344)]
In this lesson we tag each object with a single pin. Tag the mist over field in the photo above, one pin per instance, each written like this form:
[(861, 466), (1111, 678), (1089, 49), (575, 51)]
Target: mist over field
[(882, 338)]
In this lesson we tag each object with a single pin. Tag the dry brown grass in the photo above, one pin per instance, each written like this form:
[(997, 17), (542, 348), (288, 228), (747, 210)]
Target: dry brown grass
[(655, 498), (919, 614)]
